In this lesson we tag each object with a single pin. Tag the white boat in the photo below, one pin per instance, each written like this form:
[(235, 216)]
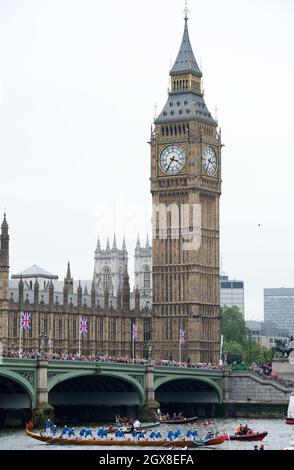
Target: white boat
[(290, 412)]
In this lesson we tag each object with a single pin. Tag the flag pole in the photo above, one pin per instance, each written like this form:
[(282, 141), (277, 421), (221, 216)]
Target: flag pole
[(79, 343), (133, 346), (20, 336)]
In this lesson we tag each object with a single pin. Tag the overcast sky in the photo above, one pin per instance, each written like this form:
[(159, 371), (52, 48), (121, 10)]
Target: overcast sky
[(78, 83)]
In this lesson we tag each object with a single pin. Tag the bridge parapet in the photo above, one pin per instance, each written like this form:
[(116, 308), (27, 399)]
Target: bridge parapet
[(247, 387)]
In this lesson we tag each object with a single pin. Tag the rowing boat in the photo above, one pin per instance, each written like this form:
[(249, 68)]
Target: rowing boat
[(180, 421), (124, 442)]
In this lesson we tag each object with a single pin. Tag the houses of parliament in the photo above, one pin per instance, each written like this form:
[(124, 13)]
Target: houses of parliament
[(176, 282)]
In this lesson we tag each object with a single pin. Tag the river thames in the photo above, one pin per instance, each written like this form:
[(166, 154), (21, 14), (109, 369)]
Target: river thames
[(279, 436)]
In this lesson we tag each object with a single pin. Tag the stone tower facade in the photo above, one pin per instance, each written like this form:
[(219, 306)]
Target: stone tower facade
[(68, 281), (186, 188), (143, 272), (4, 281), (109, 268)]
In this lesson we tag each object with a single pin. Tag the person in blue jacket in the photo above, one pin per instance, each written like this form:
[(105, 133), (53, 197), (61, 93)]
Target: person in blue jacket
[(64, 432), (82, 433), (71, 433)]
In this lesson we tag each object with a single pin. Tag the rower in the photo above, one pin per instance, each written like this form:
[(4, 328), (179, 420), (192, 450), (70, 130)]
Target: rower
[(141, 436), (158, 435), (177, 433), (54, 430), (82, 433), (88, 433), (71, 433), (152, 435), (102, 432), (64, 432), (170, 435)]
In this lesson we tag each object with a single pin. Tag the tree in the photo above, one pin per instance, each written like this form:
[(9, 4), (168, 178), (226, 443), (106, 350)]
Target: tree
[(238, 342), (233, 325)]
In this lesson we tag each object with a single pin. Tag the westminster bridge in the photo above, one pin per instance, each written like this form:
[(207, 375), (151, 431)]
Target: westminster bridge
[(99, 389)]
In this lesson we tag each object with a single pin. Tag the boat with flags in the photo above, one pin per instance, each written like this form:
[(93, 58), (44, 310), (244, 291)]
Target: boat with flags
[(171, 441)]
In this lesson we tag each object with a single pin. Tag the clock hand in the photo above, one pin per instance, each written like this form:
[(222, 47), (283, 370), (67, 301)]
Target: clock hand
[(171, 161)]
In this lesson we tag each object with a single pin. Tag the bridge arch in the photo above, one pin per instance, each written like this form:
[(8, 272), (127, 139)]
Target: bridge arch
[(211, 391), (21, 382), (118, 377)]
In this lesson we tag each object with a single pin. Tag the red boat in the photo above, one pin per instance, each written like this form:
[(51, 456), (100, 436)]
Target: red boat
[(289, 421), (257, 436)]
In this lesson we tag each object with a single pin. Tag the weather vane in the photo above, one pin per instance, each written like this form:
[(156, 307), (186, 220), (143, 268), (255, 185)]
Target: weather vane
[(186, 11)]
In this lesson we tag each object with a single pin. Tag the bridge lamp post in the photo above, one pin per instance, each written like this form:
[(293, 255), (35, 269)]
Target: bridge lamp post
[(250, 348), (99, 353), (149, 352), (43, 337)]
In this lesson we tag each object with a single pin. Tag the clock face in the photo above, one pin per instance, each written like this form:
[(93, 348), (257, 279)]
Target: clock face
[(172, 160), (209, 161)]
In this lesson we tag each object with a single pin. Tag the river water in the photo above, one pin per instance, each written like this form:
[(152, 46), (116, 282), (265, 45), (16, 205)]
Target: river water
[(279, 435)]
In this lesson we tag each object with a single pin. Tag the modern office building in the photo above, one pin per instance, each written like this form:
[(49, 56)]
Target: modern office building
[(266, 333), (232, 293), (279, 308)]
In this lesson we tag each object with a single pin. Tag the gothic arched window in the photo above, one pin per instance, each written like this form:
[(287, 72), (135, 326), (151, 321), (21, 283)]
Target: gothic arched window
[(106, 277), (146, 277)]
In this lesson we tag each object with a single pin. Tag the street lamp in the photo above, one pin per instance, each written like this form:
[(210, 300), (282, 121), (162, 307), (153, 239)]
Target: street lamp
[(250, 349), (43, 337), (149, 352)]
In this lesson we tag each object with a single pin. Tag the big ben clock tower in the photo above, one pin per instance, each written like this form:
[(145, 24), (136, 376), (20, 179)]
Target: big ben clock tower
[(186, 188)]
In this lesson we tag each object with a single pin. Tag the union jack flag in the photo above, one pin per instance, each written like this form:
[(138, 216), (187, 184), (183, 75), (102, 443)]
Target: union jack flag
[(25, 323), (84, 329), (182, 338), (135, 331)]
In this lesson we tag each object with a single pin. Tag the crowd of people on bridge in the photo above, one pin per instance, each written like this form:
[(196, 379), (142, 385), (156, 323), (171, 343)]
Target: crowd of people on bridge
[(266, 372), (13, 353), (263, 370)]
